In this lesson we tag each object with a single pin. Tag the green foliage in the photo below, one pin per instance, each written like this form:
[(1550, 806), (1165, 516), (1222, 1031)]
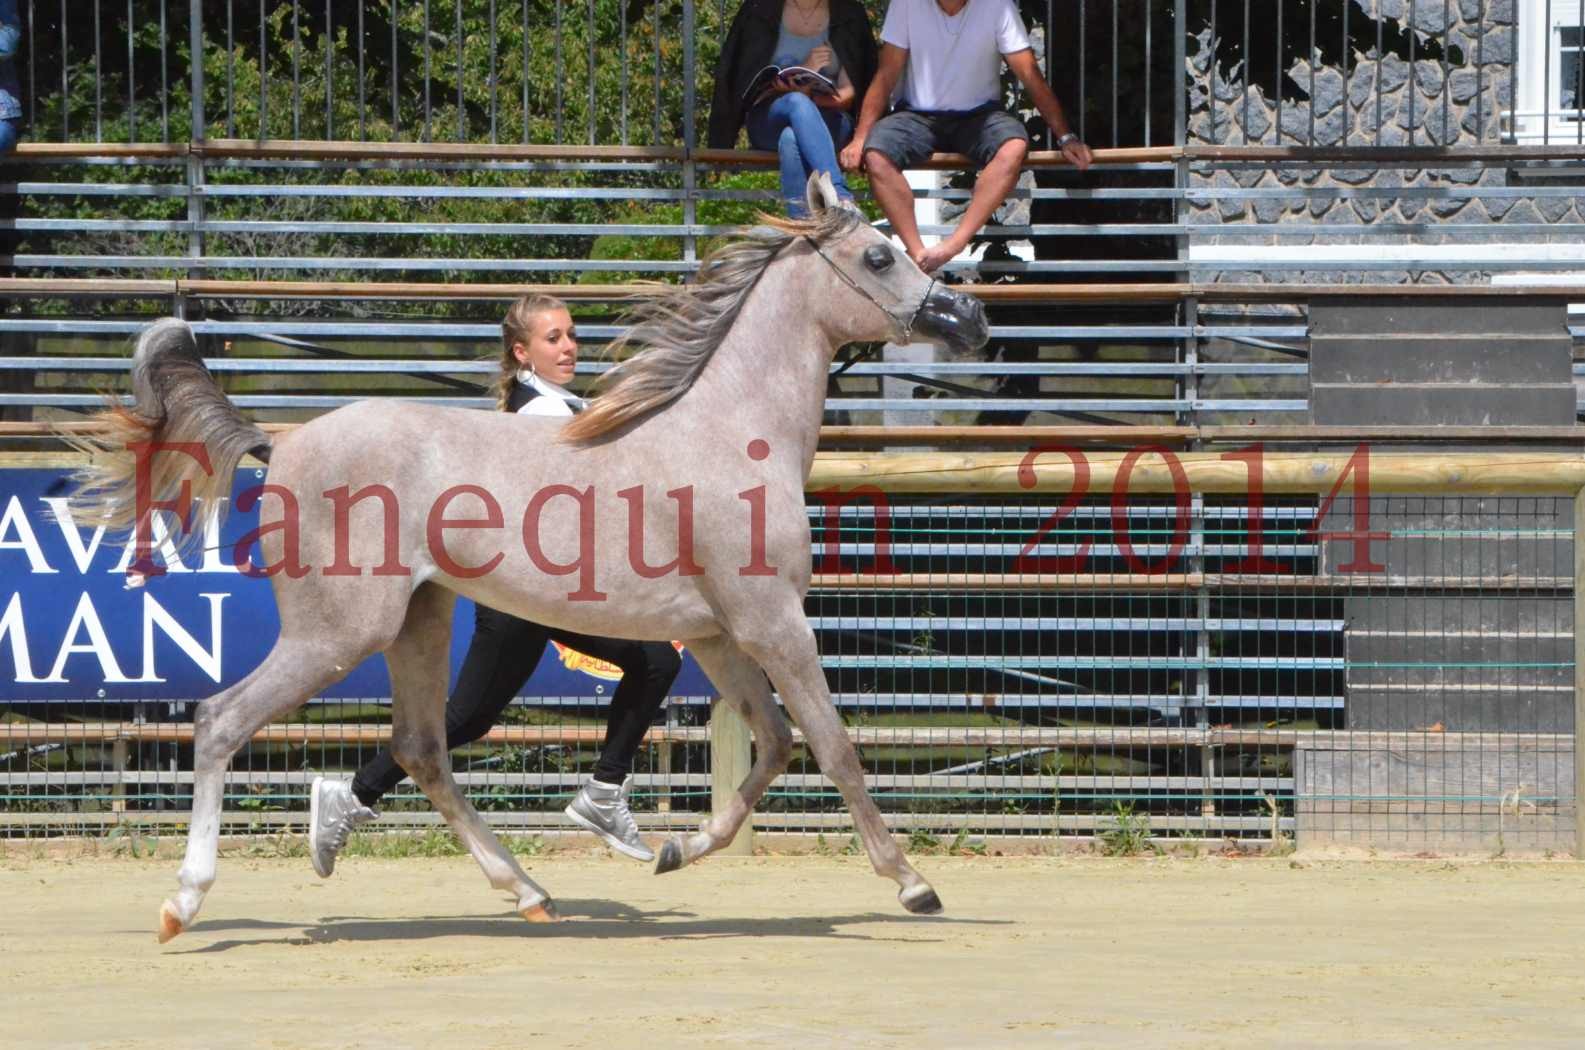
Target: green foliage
[(962, 846), (1129, 834), (126, 838), (1281, 842)]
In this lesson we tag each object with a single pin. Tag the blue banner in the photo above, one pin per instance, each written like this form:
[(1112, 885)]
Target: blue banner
[(73, 627)]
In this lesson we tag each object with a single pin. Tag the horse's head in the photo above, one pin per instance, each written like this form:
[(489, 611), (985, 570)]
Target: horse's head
[(892, 299)]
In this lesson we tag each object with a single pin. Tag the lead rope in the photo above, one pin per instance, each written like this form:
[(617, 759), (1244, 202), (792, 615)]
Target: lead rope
[(864, 352)]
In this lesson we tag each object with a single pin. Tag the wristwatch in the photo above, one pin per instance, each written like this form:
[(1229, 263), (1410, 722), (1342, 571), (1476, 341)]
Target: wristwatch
[(1063, 140)]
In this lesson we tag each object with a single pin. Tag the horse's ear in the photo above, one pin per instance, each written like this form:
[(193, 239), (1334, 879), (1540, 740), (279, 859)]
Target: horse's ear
[(821, 193)]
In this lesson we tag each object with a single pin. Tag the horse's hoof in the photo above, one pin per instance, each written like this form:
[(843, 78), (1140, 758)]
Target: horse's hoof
[(544, 911), (670, 857), (924, 902), (170, 924)]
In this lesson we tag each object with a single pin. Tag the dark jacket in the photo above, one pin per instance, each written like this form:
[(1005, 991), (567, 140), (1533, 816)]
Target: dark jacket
[(10, 43), (749, 47), (520, 396)]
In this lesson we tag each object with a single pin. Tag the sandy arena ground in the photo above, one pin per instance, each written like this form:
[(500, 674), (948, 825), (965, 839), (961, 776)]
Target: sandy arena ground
[(798, 951)]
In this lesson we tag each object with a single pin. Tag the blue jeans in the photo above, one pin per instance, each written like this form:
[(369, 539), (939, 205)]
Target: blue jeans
[(806, 138)]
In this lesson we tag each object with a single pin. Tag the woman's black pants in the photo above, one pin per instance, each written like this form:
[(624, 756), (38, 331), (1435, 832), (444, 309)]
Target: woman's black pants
[(502, 655)]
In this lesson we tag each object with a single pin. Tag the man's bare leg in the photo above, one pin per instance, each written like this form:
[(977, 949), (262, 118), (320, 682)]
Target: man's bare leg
[(896, 199), (996, 181)]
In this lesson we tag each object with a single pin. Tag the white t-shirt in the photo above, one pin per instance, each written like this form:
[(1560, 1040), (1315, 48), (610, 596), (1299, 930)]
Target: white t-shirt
[(953, 63), (553, 400)]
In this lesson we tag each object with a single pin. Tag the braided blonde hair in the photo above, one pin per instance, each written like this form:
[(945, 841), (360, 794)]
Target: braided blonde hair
[(518, 327)]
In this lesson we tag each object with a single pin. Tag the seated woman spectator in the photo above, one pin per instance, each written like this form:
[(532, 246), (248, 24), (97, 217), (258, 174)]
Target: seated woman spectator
[(800, 118), (539, 352)]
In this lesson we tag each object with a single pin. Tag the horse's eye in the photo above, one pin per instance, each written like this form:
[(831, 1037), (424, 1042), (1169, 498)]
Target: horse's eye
[(878, 257)]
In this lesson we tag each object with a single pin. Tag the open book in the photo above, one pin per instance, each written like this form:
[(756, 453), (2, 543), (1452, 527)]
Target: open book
[(801, 77)]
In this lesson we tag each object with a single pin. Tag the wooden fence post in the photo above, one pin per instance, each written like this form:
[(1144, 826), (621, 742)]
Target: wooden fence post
[(729, 764), (119, 754)]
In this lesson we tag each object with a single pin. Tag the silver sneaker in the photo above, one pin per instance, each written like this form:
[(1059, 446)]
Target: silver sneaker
[(333, 811), (602, 808)]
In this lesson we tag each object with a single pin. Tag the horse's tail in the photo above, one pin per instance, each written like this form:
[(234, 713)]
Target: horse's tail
[(180, 425)]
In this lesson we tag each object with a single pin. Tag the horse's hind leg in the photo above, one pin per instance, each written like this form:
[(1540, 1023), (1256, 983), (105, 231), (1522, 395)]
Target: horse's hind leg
[(295, 670), (419, 664), (742, 684)]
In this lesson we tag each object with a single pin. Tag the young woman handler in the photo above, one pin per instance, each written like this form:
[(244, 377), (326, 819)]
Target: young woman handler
[(539, 353)]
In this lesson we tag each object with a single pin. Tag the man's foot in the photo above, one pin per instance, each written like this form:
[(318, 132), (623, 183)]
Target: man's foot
[(333, 811), (602, 808)]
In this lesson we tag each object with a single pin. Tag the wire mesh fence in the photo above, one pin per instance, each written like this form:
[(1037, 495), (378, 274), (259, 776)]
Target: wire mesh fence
[(1394, 672), (1135, 72), (1311, 72)]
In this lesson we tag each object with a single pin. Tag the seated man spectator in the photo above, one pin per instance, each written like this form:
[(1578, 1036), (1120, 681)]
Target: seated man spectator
[(947, 55)]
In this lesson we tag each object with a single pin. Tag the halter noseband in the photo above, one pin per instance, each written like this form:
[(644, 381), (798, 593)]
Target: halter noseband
[(907, 333)]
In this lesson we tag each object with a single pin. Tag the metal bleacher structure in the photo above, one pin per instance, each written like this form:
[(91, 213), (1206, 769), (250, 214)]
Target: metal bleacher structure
[(989, 698)]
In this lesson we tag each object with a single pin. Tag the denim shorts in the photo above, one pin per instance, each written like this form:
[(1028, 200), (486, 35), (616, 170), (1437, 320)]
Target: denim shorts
[(908, 136)]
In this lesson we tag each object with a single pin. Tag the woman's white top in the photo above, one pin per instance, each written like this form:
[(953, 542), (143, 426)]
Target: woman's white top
[(553, 400)]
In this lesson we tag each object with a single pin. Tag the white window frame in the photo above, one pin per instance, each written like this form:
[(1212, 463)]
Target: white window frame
[(1538, 118)]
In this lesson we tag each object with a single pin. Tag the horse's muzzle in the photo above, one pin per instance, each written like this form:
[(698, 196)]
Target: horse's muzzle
[(954, 319)]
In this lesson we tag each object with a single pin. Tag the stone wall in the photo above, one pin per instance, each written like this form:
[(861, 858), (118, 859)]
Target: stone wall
[(1417, 105)]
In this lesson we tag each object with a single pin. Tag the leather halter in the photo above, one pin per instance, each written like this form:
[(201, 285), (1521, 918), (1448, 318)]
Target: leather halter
[(906, 333)]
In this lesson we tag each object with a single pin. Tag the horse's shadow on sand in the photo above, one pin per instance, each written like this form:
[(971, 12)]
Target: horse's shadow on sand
[(583, 918)]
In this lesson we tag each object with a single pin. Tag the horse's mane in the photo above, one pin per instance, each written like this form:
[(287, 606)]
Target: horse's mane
[(675, 328)]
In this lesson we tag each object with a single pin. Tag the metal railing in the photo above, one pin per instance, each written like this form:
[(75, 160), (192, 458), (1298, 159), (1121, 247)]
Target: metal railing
[(602, 72)]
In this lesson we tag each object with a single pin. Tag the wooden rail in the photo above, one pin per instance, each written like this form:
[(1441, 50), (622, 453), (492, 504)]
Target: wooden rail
[(1034, 293), (319, 149), (1353, 156), (1028, 437), (953, 161), (84, 150), (400, 290), (1291, 473)]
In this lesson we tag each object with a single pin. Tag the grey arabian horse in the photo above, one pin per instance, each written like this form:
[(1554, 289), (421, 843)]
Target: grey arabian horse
[(697, 453)]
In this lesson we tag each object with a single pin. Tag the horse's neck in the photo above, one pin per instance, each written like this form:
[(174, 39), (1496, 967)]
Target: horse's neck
[(770, 370)]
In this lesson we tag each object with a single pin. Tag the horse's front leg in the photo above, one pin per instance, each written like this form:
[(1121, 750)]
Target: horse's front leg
[(742, 684), (792, 660)]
